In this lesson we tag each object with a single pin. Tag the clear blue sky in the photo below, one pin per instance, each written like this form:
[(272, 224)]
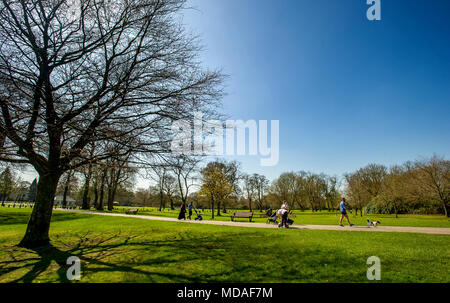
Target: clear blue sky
[(347, 91)]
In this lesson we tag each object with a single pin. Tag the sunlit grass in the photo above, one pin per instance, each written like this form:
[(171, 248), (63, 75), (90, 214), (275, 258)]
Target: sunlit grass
[(308, 217), (116, 249)]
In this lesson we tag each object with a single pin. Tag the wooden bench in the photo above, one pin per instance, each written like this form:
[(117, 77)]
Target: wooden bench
[(132, 211), (245, 215)]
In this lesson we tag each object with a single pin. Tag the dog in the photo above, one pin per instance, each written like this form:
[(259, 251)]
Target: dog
[(373, 223)]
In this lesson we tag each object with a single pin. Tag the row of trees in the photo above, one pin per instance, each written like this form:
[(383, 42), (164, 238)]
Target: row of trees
[(420, 186), (306, 190), (414, 187)]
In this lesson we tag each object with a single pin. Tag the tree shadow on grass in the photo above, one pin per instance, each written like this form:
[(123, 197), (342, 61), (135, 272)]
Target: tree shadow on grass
[(176, 259), (99, 255)]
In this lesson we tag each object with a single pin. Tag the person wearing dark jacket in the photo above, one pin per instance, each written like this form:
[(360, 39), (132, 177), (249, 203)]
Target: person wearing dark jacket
[(182, 214)]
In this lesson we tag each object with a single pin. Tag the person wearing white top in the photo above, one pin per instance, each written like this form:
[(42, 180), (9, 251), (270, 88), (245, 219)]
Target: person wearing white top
[(283, 212)]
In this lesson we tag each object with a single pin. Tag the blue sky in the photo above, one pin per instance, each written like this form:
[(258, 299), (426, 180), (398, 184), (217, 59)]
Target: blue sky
[(347, 91)]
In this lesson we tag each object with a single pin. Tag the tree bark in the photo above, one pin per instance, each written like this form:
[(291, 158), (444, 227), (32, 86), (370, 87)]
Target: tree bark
[(39, 223), (161, 200), (446, 210), (66, 189), (102, 191), (111, 197), (85, 203), (96, 194)]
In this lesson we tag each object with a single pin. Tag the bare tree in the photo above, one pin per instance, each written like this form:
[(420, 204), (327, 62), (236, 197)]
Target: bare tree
[(262, 186), (118, 68), (250, 189), (290, 187), (433, 180), (69, 181), (87, 170), (118, 173), (184, 168), (159, 174), (364, 185)]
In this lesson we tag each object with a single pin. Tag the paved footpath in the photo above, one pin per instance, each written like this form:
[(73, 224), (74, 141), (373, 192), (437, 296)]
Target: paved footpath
[(401, 229)]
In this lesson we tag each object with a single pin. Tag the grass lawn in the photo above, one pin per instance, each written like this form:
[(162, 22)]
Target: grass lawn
[(116, 249), (308, 217)]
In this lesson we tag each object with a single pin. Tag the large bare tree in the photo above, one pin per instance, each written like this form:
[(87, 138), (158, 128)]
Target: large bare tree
[(111, 71)]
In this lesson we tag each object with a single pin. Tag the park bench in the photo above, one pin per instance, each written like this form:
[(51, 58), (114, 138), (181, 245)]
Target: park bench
[(245, 215), (132, 211)]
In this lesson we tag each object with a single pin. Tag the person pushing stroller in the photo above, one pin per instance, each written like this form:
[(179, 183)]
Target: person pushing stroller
[(283, 212)]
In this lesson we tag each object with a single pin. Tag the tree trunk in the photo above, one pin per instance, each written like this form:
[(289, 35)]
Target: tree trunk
[(66, 189), (446, 210), (161, 200), (39, 223), (85, 203), (111, 197), (96, 195), (218, 208), (102, 190), (102, 194), (212, 208), (171, 203)]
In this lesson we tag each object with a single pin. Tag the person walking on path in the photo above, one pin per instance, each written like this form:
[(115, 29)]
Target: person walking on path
[(182, 214), (190, 208), (283, 213), (343, 208)]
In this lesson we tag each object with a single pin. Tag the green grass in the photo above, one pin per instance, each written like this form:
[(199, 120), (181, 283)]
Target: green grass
[(116, 249), (318, 218)]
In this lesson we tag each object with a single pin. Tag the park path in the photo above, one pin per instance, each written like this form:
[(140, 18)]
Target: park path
[(400, 229)]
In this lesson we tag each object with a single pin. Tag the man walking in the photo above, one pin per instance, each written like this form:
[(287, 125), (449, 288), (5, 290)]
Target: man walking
[(190, 208), (343, 208)]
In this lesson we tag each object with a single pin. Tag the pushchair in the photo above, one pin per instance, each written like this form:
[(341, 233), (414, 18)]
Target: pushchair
[(199, 215), (289, 220), (272, 217)]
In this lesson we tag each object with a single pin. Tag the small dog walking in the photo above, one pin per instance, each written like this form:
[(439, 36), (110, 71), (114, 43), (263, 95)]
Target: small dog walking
[(372, 223)]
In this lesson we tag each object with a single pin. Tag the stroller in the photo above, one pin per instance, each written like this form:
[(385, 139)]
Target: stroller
[(289, 220), (199, 215), (272, 217)]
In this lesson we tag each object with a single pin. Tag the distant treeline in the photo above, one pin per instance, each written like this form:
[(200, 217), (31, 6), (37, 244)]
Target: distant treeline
[(420, 187)]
